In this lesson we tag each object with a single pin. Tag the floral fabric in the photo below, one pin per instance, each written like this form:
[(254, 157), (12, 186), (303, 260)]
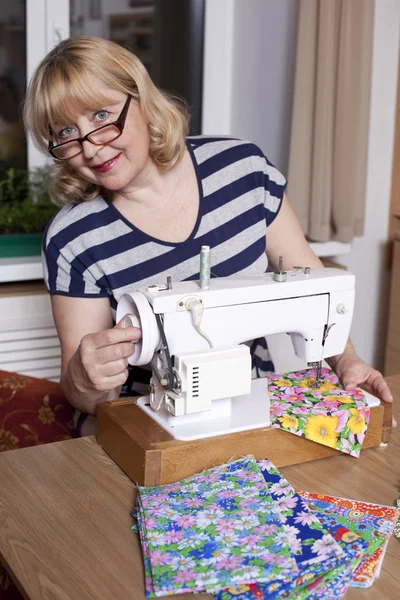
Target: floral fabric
[(32, 411), (212, 530), (201, 535), (335, 584), (328, 415), (372, 522), (318, 555)]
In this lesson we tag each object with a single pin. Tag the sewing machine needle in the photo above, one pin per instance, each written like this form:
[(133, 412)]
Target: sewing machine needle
[(318, 376)]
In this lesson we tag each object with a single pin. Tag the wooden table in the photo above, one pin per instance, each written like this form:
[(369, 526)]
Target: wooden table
[(65, 524)]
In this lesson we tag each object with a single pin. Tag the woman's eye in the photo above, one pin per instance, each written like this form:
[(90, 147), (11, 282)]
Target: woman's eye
[(101, 115), (66, 132)]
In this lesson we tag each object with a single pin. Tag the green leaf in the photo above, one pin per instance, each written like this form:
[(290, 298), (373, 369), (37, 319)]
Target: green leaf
[(274, 471), (308, 541)]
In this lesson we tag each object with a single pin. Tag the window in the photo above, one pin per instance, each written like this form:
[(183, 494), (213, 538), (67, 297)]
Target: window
[(12, 84)]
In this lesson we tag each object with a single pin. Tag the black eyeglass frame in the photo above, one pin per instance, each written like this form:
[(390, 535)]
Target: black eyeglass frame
[(119, 123)]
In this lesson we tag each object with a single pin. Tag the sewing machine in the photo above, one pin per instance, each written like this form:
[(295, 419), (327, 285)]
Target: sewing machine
[(201, 393)]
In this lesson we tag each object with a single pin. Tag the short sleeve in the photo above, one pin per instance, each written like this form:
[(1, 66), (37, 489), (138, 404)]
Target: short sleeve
[(66, 275), (69, 259), (274, 189)]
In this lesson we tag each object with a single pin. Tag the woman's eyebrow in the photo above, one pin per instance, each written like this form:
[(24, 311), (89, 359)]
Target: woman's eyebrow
[(107, 103), (88, 112)]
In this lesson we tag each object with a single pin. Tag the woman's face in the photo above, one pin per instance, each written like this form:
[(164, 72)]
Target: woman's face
[(121, 164)]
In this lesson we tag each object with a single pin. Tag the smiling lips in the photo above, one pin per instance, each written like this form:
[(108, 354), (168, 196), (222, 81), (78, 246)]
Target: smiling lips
[(106, 166)]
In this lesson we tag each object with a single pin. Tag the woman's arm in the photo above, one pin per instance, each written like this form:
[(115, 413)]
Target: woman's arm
[(93, 352), (285, 238)]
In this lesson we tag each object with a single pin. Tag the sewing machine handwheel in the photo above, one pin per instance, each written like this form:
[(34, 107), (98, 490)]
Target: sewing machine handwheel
[(140, 314)]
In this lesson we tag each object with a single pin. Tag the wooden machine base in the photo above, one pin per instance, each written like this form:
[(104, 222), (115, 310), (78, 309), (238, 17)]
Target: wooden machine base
[(150, 456)]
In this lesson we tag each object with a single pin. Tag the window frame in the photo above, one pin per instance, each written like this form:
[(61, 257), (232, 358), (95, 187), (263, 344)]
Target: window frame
[(47, 23)]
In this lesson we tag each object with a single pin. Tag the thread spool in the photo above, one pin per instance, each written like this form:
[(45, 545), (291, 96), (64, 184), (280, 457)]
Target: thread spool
[(205, 267)]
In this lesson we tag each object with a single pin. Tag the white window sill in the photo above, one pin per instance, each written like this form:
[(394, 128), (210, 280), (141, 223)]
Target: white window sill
[(23, 268), (330, 248)]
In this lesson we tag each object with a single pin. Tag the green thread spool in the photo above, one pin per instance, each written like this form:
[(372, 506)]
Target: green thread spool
[(205, 267)]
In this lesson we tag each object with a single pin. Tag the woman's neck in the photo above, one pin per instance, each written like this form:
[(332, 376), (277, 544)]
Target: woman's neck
[(152, 190)]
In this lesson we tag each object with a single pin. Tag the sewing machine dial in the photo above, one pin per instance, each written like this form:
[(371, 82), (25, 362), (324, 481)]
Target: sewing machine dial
[(136, 307)]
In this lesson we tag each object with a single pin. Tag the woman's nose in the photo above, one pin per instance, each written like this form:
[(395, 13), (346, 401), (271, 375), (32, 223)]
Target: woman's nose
[(89, 150)]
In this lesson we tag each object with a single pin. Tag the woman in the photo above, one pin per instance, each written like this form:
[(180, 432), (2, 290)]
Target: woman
[(140, 201)]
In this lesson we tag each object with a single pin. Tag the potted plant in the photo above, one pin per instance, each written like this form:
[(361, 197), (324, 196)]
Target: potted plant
[(25, 210)]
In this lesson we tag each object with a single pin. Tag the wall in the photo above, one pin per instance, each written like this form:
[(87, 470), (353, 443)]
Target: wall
[(249, 56), (262, 75), (367, 257), (247, 92)]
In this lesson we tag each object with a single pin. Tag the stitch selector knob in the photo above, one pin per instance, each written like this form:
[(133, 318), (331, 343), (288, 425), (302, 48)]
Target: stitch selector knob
[(341, 309)]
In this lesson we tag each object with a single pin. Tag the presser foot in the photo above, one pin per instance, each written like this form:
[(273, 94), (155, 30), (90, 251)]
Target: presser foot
[(318, 381)]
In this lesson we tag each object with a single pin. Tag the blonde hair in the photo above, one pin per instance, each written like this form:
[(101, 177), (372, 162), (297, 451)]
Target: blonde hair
[(61, 85)]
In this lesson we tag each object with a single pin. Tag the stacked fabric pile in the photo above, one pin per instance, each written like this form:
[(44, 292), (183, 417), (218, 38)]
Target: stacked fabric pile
[(240, 531), (372, 522)]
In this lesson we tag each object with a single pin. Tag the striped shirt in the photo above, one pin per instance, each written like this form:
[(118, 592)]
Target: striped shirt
[(90, 250)]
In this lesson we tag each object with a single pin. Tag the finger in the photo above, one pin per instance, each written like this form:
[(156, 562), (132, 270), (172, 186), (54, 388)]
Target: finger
[(394, 423), (110, 337), (113, 353), (115, 367), (349, 383), (105, 384), (377, 386)]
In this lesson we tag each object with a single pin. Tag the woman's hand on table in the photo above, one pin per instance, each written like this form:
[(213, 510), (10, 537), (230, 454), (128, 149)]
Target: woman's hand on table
[(354, 372)]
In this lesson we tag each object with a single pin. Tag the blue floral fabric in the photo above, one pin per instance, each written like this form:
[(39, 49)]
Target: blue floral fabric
[(334, 584), (212, 530), (315, 550), (241, 532)]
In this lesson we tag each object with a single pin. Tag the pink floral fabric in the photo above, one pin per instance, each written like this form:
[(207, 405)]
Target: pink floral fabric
[(328, 415)]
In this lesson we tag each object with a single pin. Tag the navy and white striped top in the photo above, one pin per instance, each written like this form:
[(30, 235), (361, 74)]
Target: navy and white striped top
[(91, 250)]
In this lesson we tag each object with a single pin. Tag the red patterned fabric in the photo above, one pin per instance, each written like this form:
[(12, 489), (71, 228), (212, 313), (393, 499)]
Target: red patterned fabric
[(8, 591), (32, 412)]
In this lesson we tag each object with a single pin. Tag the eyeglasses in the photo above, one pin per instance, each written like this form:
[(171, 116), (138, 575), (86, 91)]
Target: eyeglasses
[(99, 137)]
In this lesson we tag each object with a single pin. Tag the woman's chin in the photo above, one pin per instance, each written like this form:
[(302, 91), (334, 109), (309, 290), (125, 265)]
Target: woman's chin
[(112, 183)]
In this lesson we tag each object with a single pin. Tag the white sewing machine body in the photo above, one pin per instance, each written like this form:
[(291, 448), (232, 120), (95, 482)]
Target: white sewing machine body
[(212, 391)]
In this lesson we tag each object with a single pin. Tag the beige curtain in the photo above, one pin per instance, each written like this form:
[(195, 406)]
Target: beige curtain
[(330, 118)]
